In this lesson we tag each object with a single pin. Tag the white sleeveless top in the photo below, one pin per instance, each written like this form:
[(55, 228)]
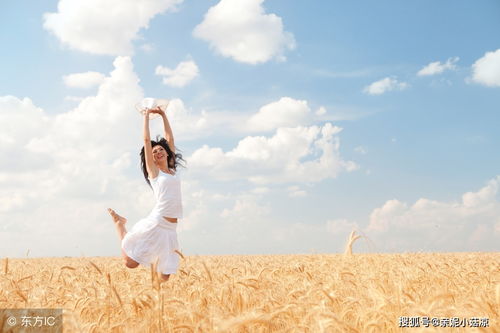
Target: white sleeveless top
[(167, 190)]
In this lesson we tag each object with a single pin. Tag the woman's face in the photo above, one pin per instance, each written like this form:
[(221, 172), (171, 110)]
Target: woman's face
[(159, 154)]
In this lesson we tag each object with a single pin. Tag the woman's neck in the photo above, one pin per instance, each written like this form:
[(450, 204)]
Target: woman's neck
[(163, 167)]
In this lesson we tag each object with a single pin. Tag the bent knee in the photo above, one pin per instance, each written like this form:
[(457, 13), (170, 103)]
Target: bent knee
[(130, 263)]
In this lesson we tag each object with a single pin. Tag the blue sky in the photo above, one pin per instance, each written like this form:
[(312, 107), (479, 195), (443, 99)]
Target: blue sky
[(300, 122)]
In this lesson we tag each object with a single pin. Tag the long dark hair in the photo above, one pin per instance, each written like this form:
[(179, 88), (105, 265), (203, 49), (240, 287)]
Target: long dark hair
[(173, 160)]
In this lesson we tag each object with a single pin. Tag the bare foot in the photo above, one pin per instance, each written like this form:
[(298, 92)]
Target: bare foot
[(163, 277), (117, 218)]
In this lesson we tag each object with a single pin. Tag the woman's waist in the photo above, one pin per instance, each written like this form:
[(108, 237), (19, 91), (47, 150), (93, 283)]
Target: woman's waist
[(163, 221)]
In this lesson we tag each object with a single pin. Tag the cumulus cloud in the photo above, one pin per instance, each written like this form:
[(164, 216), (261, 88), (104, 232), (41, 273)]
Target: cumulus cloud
[(103, 27), (486, 70), (20, 113), (61, 171), (284, 112), (74, 164), (83, 80), (69, 167), (469, 224), (321, 111), (437, 67), (300, 154), (287, 112), (187, 124), (19, 120), (240, 29), (384, 85), (109, 108), (180, 76)]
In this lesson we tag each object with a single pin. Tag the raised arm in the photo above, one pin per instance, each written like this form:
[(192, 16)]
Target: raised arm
[(148, 150), (169, 136)]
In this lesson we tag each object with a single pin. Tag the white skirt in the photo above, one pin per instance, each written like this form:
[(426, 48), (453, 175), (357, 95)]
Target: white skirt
[(150, 240)]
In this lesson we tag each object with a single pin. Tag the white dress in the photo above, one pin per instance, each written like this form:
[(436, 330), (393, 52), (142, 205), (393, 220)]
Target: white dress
[(154, 238)]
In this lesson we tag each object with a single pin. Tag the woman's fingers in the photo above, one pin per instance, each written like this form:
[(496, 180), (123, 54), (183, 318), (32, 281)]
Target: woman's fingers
[(156, 110)]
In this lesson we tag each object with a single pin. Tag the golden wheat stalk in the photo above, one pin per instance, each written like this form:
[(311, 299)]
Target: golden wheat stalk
[(179, 253), (96, 267), (25, 299), (352, 238), (68, 267), (155, 279), (117, 296), (24, 278), (208, 271)]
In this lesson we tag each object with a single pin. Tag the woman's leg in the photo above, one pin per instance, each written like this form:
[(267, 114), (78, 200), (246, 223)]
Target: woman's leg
[(119, 223), (122, 231)]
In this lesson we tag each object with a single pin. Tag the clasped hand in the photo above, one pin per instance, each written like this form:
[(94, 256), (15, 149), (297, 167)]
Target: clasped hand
[(156, 110)]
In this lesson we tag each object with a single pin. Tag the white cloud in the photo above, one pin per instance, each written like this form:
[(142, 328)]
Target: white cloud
[(19, 120), (241, 29), (68, 167), (470, 224), (103, 27), (486, 70), (199, 203), (384, 85), (83, 80), (321, 111), (380, 218), (284, 112), (191, 124), (63, 170), (437, 67), (184, 73), (96, 114), (287, 112), (17, 114), (225, 223), (74, 98), (296, 192), (71, 166), (245, 209), (341, 226), (186, 124), (300, 154)]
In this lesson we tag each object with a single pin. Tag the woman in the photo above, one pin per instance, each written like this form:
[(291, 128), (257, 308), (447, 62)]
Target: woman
[(155, 237)]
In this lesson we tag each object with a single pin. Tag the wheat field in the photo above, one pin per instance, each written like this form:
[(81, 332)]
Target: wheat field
[(264, 293)]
